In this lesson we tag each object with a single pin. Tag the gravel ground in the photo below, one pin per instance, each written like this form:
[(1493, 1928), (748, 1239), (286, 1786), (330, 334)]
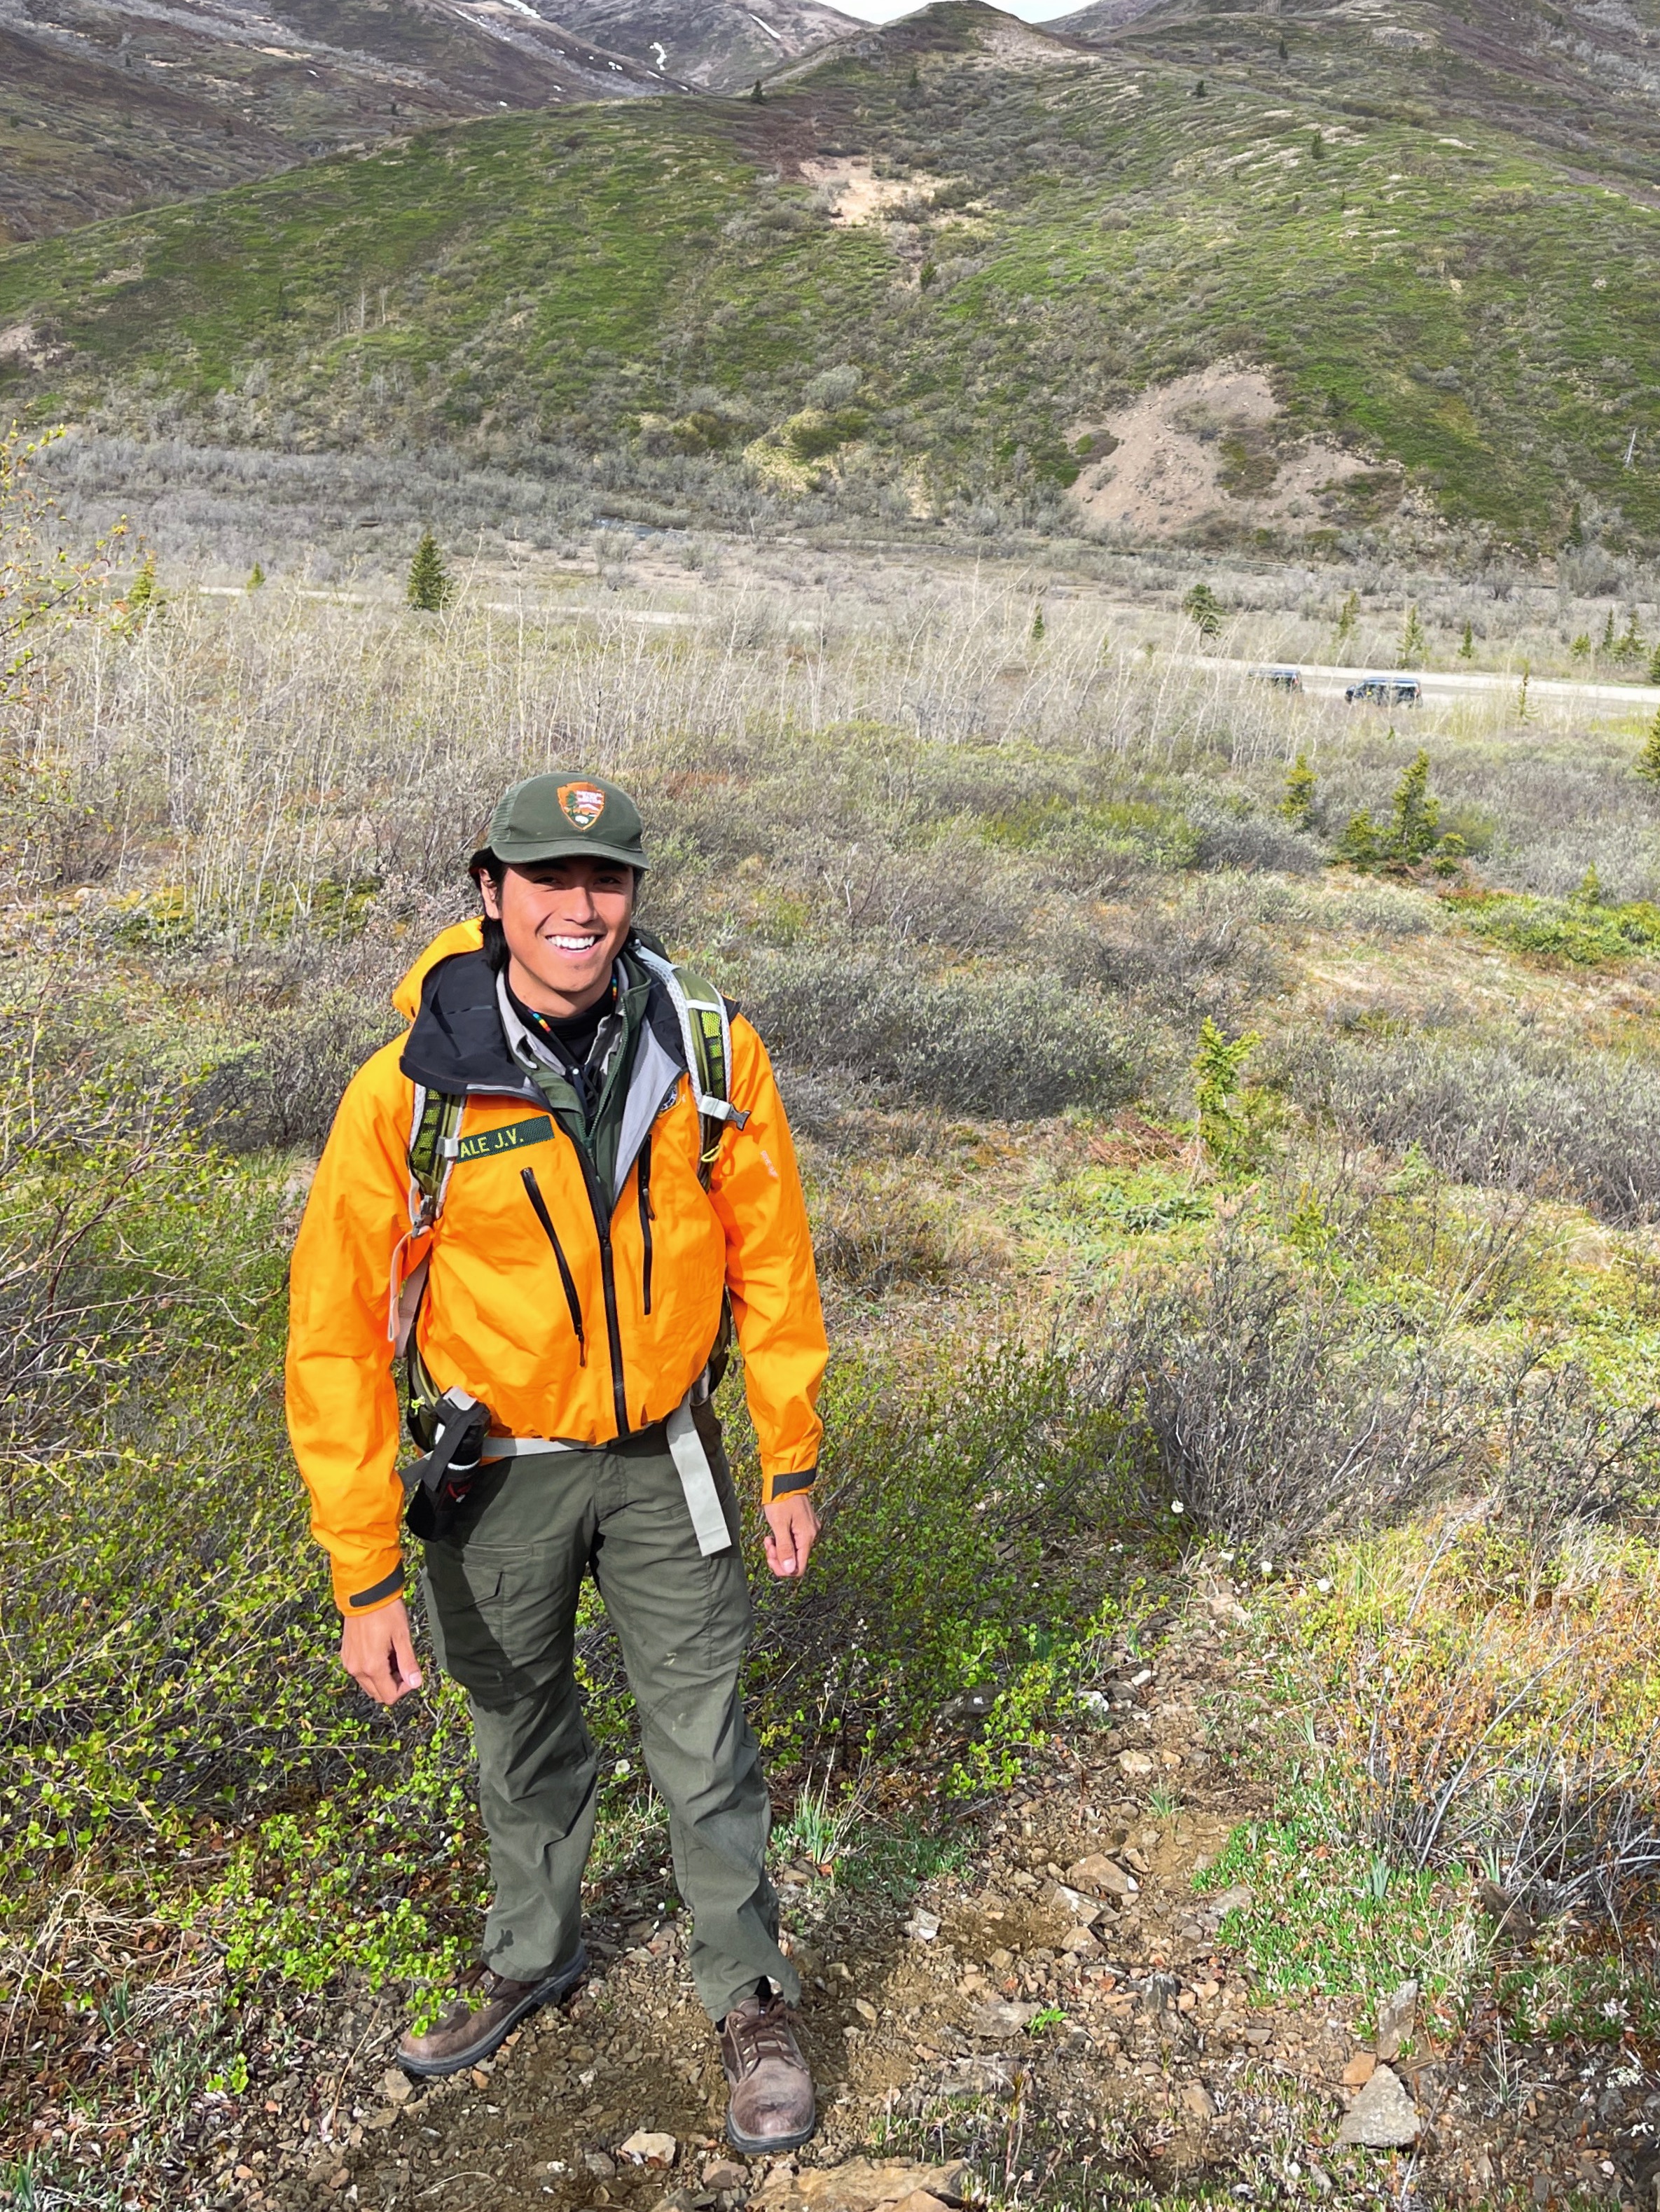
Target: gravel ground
[(1016, 2029)]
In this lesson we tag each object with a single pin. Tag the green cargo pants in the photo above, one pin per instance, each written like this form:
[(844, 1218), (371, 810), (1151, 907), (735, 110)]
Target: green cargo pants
[(502, 1600)]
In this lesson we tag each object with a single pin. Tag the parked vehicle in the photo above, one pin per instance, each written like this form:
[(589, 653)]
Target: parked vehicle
[(1385, 692), (1283, 679)]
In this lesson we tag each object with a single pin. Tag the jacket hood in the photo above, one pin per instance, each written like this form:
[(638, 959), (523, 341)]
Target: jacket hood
[(461, 937)]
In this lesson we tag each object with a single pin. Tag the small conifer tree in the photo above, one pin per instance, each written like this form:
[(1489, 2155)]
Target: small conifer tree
[(1588, 891), (1467, 643), (757, 96), (256, 577), (1038, 624), (1199, 89), (430, 588), (1411, 833), (1576, 526), (1415, 816), (1654, 665), (1413, 644), (1296, 807), (1204, 609), (144, 593), (1317, 148), (1284, 51), (1348, 615), (1608, 633), (1647, 763), (1629, 646), (1219, 1071), (1362, 844)]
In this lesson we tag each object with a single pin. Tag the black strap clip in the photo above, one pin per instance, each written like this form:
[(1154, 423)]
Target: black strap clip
[(459, 1423)]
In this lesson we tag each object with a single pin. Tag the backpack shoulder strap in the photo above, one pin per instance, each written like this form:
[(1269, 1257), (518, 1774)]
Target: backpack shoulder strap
[(434, 1143), (706, 1036), (434, 1139)]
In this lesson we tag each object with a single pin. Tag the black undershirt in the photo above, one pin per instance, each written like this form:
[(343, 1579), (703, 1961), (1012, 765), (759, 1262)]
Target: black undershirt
[(570, 1036)]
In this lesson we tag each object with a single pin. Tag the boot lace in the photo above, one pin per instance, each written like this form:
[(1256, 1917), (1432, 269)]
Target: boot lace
[(762, 2034)]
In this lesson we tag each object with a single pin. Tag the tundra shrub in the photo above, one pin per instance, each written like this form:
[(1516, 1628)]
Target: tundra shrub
[(281, 1085), (1279, 1413), (1012, 1044), (1019, 1479), (1524, 1116)]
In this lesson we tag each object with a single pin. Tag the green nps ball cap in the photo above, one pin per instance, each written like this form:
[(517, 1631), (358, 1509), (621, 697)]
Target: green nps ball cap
[(563, 816)]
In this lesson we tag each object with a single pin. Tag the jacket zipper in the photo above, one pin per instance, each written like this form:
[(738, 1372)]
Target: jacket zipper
[(643, 1176), (608, 1278), (533, 1192)]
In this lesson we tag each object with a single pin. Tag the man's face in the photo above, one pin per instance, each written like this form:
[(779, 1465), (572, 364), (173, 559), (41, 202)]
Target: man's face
[(564, 922)]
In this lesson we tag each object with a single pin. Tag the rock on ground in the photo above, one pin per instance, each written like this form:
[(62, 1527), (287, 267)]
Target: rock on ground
[(1382, 2117)]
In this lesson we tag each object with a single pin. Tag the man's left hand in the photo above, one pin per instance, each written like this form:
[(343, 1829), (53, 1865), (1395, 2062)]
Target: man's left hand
[(791, 1532)]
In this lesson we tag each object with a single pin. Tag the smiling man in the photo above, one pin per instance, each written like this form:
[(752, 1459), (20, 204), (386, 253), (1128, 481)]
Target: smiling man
[(549, 1196)]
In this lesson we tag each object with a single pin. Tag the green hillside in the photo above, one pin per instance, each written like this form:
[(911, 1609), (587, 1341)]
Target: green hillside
[(1435, 291)]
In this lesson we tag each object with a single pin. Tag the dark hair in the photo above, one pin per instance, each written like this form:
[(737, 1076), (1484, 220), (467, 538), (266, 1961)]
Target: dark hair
[(485, 863)]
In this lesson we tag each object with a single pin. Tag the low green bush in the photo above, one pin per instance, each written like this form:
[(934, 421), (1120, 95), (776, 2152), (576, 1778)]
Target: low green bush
[(966, 1534), (1327, 1914), (1583, 934)]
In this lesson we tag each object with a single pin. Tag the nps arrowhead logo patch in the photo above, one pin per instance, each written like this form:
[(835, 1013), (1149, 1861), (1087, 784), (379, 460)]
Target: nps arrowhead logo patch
[(581, 804)]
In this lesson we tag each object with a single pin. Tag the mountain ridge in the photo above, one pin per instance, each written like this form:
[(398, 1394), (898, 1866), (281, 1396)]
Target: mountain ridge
[(988, 237), (109, 104), (713, 44)]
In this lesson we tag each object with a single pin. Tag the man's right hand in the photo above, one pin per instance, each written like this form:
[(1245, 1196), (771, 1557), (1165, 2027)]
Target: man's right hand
[(375, 1650)]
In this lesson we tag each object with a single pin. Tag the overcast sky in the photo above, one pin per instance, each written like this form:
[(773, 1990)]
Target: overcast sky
[(1030, 11)]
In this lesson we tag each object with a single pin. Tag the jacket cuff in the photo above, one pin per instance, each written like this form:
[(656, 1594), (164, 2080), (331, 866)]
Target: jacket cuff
[(353, 1596), (774, 1486)]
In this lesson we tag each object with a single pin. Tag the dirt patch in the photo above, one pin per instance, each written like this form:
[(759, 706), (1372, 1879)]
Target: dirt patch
[(1208, 445), (1010, 41), (860, 195)]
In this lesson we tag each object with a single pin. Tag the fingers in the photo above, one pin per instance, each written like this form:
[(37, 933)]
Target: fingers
[(377, 1652), (782, 1562), (805, 1530), (792, 1529), (404, 1660), (374, 1676)]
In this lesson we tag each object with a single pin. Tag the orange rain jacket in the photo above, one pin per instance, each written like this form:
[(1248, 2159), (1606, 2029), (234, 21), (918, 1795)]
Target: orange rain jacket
[(494, 1316)]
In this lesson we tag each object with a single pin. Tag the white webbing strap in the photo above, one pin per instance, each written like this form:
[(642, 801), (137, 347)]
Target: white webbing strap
[(698, 1481), (691, 1463), (712, 1108)]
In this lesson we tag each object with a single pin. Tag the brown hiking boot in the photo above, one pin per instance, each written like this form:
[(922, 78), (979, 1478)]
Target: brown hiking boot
[(480, 2022), (772, 2103)]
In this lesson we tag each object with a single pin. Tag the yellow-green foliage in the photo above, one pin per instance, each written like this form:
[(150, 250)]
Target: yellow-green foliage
[(1581, 931), (1456, 1649)]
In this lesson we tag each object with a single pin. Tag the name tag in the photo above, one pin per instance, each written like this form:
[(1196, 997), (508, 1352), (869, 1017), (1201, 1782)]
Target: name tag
[(539, 1130)]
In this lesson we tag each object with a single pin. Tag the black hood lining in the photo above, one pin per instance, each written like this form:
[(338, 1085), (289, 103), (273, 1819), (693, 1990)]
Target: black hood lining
[(456, 1043)]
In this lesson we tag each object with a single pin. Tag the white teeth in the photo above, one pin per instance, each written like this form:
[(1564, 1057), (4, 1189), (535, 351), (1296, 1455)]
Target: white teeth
[(577, 943)]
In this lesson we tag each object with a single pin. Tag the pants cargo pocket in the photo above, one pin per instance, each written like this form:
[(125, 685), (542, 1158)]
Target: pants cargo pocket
[(467, 1604)]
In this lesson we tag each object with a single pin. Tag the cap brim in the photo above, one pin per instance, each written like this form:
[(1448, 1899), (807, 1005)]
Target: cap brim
[(520, 852)]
